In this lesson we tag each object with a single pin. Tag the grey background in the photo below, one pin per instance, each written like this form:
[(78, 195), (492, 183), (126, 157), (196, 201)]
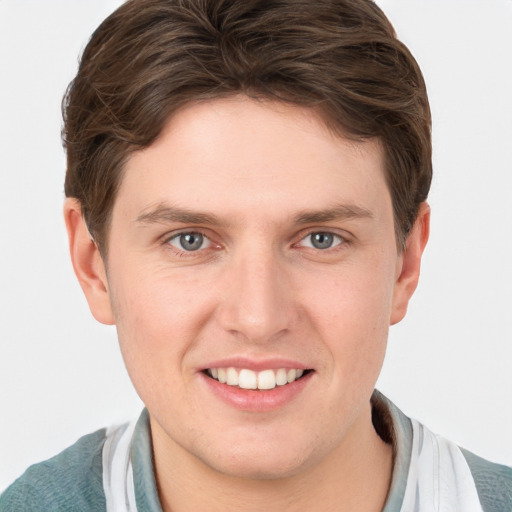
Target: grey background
[(449, 362)]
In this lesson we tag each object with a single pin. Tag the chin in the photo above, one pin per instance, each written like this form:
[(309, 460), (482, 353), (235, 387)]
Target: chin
[(253, 470), (261, 464)]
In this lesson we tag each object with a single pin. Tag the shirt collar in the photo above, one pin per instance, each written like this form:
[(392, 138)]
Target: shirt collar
[(390, 423)]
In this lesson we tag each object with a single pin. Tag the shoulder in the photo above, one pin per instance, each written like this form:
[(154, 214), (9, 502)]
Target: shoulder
[(72, 480), (493, 482)]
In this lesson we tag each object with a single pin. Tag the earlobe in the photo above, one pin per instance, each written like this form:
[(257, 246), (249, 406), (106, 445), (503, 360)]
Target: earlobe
[(87, 263), (409, 270)]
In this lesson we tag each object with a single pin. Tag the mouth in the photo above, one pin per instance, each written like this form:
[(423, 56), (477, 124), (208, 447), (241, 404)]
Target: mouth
[(244, 378)]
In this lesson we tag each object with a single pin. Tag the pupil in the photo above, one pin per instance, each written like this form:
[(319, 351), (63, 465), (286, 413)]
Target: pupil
[(322, 240), (191, 241)]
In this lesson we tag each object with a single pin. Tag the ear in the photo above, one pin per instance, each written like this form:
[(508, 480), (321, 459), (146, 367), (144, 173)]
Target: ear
[(409, 264), (87, 263)]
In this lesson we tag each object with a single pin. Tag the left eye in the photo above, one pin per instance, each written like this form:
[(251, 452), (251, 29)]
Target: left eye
[(191, 241), (321, 240)]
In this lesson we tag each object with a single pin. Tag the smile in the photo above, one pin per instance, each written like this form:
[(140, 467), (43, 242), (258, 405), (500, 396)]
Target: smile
[(248, 379)]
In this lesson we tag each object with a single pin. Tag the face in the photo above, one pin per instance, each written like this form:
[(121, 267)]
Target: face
[(249, 247)]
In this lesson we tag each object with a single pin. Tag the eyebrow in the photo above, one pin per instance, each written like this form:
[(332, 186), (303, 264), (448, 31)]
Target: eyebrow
[(340, 212), (162, 214)]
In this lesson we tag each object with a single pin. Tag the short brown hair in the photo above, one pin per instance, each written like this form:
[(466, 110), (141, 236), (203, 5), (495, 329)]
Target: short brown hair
[(151, 57)]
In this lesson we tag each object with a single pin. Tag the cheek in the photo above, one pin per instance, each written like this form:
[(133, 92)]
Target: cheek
[(352, 312), (157, 321), (156, 302), (355, 299)]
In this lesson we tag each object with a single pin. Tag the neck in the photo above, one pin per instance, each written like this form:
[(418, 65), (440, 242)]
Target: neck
[(354, 476)]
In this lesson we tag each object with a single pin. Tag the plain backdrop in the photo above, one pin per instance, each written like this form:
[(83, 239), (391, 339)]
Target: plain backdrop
[(448, 363)]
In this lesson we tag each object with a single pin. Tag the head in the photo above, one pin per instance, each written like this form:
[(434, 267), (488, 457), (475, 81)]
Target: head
[(253, 177), (150, 58)]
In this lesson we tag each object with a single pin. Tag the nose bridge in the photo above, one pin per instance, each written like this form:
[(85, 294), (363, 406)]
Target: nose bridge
[(257, 303)]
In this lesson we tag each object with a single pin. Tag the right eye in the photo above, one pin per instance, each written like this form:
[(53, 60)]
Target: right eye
[(190, 241)]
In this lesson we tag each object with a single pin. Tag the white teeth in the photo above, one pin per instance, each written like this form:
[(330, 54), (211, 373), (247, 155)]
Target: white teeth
[(281, 378), (249, 379), (291, 375), (266, 379), (231, 377)]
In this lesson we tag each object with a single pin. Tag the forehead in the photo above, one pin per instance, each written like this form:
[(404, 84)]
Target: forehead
[(242, 157)]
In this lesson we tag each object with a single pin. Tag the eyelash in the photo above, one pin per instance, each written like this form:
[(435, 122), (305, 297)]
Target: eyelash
[(181, 252), (343, 241)]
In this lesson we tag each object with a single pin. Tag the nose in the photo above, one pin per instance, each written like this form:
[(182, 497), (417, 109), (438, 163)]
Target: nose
[(257, 303)]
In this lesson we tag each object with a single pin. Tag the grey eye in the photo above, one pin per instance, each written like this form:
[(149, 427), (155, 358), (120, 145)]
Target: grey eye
[(188, 241), (322, 240)]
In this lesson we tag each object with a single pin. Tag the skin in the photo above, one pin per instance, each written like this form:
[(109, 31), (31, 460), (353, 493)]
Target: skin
[(264, 176)]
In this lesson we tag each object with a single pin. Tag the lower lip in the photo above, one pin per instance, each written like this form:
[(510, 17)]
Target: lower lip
[(257, 400)]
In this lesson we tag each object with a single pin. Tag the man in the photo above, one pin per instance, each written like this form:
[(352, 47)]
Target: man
[(247, 187)]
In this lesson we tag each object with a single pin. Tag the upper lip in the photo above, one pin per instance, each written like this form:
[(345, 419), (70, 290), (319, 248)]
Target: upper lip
[(256, 364)]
